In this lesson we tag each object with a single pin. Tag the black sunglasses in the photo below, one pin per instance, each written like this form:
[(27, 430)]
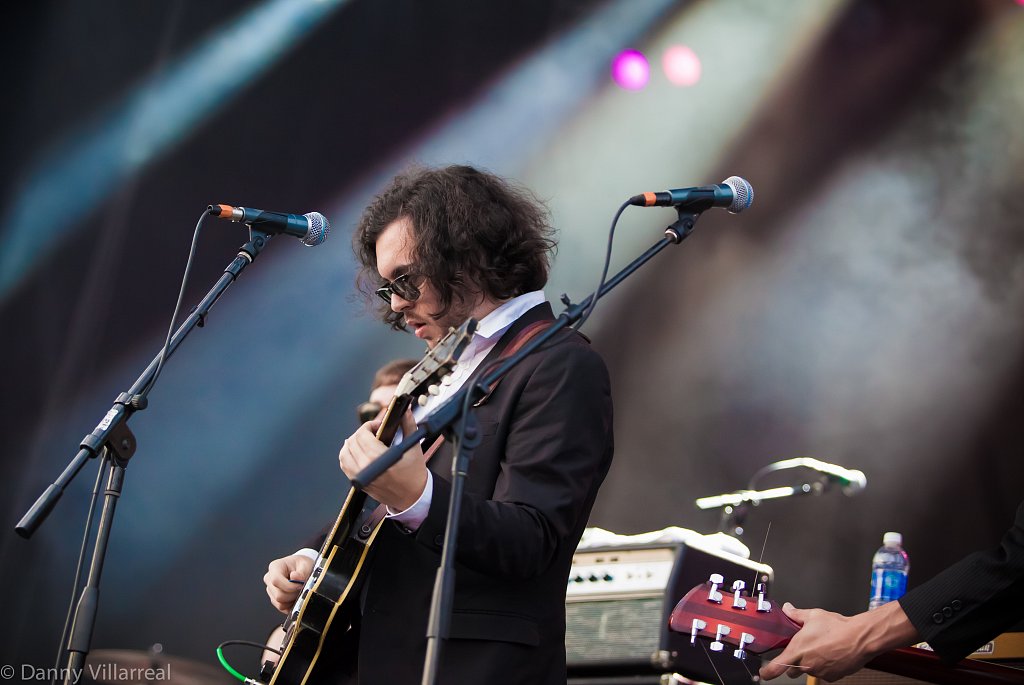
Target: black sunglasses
[(401, 286), (367, 411)]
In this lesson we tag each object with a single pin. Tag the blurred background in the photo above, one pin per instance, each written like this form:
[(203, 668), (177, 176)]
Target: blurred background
[(866, 311)]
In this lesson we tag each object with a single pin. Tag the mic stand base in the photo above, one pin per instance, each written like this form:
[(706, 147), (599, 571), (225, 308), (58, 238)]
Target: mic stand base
[(88, 603)]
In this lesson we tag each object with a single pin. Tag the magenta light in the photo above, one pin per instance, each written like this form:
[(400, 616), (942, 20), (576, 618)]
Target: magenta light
[(682, 66), (630, 70)]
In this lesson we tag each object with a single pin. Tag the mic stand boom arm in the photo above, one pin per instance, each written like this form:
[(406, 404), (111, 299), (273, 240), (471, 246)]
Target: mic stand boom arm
[(112, 431), (114, 440), (450, 414)]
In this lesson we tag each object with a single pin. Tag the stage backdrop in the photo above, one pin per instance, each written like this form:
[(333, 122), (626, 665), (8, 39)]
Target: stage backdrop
[(866, 311)]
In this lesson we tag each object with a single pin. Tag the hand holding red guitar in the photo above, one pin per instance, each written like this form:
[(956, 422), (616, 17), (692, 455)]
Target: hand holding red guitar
[(831, 646)]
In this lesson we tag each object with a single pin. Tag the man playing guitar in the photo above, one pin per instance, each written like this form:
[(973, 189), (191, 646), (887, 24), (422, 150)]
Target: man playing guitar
[(439, 246)]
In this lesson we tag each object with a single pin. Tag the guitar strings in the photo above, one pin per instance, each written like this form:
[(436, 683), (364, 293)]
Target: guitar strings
[(760, 559), (749, 672), (712, 662), (753, 586)]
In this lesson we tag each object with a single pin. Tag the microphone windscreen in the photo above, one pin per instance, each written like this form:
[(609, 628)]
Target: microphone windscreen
[(319, 227), (742, 194)]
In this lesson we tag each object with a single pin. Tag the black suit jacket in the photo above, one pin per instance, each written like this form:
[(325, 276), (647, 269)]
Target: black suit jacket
[(545, 449), (974, 600)]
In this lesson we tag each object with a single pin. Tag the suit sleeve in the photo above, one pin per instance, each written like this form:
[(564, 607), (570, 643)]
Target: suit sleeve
[(557, 452), (974, 600)]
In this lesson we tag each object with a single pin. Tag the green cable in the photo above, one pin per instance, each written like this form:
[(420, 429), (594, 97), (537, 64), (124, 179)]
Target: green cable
[(227, 666)]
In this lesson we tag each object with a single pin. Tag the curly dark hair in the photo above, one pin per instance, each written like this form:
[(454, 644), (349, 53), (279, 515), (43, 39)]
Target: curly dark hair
[(474, 231)]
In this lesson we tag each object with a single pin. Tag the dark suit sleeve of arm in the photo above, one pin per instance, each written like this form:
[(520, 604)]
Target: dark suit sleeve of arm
[(558, 449), (974, 600)]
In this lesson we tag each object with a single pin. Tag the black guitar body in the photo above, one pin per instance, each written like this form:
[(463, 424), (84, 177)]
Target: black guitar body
[(320, 624)]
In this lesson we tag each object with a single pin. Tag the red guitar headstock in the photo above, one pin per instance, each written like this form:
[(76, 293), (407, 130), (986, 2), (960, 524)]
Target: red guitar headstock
[(750, 623)]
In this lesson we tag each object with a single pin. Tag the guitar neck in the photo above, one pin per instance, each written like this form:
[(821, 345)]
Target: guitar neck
[(393, 418), (924, 665)]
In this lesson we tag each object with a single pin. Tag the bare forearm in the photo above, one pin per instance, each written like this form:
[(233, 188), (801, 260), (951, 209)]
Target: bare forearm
[(884, 629)]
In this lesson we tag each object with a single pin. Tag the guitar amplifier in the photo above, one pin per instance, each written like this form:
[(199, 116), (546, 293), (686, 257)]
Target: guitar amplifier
[(618, 603)]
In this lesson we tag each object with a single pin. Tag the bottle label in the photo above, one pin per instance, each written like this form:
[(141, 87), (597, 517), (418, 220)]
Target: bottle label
[(887, 585)]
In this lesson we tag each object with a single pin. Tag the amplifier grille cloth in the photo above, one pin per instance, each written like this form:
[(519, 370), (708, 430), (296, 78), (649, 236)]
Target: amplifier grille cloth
[(612, 629)]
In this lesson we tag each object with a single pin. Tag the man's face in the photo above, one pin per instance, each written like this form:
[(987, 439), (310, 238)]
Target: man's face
[(394, 258)]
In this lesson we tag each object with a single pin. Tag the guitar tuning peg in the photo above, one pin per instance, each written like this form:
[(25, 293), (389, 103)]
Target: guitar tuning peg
[(434, 389), (720, 632), (422, 399), (745, 639), (697, 626), (763, 606), (738, 602), (447, 380), (716, 581)]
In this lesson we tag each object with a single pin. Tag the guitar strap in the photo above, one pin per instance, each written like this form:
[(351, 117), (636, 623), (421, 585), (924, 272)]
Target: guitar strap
[(522, 337), (514, 345)]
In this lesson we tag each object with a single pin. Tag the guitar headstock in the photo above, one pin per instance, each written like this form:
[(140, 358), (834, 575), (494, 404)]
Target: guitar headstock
[(437, 364), (749, 623), (425, 378)]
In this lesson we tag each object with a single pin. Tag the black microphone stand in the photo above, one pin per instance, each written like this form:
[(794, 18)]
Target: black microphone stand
[(445, 420), (115, 442)]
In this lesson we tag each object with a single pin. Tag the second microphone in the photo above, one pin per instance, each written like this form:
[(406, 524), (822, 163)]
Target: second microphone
[(311, 228)]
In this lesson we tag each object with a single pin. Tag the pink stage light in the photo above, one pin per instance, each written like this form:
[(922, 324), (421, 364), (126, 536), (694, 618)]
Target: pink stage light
[(630, 70), (682, 66)]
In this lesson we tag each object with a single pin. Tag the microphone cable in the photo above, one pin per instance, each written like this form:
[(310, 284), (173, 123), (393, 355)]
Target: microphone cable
[(604, 271), (177, 306)]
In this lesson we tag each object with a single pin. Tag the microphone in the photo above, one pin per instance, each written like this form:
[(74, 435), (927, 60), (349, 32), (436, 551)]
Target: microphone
[(734, 193), (851, 480), (311, 229)]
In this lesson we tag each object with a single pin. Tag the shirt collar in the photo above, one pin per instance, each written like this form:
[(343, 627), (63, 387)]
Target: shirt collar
[(498, 321)]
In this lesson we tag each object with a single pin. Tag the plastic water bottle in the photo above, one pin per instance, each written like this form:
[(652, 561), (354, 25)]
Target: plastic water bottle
[(889, 569)]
